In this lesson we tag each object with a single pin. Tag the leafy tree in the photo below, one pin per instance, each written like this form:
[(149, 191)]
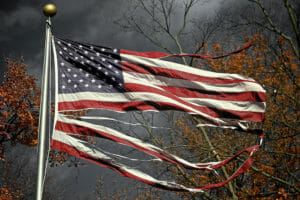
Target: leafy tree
[(19, 103)]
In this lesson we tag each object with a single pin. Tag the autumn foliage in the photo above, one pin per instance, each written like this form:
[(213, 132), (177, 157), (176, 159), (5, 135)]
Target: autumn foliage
[(274, 173), (19, 105)]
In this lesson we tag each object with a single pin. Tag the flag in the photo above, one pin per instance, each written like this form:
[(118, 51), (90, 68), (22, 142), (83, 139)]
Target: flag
[(92, 77)]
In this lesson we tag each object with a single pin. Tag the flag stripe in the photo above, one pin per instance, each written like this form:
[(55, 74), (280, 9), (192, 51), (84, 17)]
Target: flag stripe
[(141, 105), (171, 73), (130, 77), (212, 103), (225, 96), (145, 54), (84, 150), (77, 127), (181, 68), (143, 100), (163, 55)]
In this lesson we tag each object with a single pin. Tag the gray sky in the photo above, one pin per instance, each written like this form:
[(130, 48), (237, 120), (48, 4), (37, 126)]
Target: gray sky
[(22, 27)]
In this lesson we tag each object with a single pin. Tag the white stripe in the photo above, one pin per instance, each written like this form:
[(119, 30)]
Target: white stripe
[(132, 140), (228, 105), (151, 80), (179, 67), (93, 151)]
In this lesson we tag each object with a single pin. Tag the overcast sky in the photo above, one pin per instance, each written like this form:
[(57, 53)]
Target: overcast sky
[(22, 33), (22, 27)]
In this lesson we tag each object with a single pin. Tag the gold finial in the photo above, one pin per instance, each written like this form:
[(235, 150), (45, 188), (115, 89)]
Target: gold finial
[(49, 10)]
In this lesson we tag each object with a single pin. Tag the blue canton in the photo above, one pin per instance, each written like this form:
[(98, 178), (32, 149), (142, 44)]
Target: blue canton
[(88, 68)]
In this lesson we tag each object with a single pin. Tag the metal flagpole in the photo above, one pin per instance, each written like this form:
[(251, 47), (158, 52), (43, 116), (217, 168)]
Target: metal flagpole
[(49, 11)]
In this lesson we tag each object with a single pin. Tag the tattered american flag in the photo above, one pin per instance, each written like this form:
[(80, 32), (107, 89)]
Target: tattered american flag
[(95, 77)]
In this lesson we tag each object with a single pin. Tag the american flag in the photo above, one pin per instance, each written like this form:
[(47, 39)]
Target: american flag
[(96, 77)]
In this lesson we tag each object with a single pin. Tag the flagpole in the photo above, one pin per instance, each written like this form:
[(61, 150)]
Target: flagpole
[(49, 11)]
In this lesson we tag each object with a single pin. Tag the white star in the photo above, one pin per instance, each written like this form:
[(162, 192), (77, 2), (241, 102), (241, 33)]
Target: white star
[(102, 49), (69, 80), (62, 64), (69, 44), (92, 58), (59, 42), (75, 75), (99, 86), (60, 52), (113, 78), (81, 57), (80, 80), (75, 86), (63, 87), (82, 62), (103, 59), (80, 69), (98, 54), (80, 46), (68, 69), (70, 54), (117, 72), (86, 75), (116, 61), (76, 58), (91, 47), (86, 52), (86, 85), (109, 66), (88, 61), (63, 75), (93, 80), (120, 84), (115, 50), (106, 73), (99, 68), (110, 86), (65, 48)]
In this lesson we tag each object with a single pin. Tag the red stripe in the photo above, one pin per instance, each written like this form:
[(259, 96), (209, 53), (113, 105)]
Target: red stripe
[(225, 96), (246, 46), (246, 165), (82, 130), (145, 54), (162, 55), (171, 73), (107, 164)]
